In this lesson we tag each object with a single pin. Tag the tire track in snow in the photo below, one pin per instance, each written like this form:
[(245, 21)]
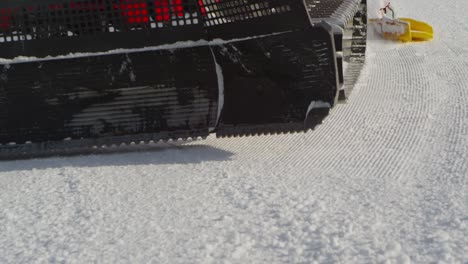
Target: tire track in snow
[(372, 121), (444, 169), (453, 115), (383, 132), (366, 134), (402, 78)]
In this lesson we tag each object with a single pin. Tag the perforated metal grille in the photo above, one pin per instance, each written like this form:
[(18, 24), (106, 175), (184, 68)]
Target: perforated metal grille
[(339, 9), (321, 8), (58, 19), (218, 12), (76, 18)]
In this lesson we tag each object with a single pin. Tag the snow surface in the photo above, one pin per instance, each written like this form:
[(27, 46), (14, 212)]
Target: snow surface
[(383, 180)]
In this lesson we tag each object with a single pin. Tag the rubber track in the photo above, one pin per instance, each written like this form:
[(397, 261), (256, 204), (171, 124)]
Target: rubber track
[(82, 146), (357, 27), (88, 146)]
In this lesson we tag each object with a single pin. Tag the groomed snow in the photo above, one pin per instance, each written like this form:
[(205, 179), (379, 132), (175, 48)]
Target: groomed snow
[(383, 180)]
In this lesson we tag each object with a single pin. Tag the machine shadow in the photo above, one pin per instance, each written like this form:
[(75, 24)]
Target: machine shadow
[(156, 154)]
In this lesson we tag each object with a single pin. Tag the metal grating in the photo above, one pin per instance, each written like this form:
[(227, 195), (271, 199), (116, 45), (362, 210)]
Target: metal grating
[(337, 9), (59, 19), (218, 12), (322, 8), (77, 18)]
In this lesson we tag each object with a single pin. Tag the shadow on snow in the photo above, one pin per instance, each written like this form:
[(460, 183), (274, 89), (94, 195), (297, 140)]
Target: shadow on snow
[(124, 156)]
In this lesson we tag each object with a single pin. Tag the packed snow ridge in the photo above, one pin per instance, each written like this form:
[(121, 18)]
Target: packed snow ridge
[(173, 46)]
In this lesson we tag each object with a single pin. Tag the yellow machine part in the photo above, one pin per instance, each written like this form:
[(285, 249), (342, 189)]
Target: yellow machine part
[(404, 29), (418, 31)]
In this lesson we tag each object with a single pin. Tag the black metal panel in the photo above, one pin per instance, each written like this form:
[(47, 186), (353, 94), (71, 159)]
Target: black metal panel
[(273, 80), (121, 94)]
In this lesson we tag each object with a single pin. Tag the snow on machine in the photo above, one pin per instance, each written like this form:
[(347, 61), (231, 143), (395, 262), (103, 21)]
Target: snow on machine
[(77, 75)]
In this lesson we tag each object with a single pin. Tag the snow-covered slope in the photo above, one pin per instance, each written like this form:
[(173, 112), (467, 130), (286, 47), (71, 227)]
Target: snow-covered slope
[(384, 179)]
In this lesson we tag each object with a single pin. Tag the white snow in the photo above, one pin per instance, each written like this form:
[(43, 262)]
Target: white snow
[(173, 46), (317, 104), (383, 180)]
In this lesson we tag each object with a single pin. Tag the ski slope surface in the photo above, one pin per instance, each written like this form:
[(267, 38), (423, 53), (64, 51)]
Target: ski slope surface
[(383, 180)]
